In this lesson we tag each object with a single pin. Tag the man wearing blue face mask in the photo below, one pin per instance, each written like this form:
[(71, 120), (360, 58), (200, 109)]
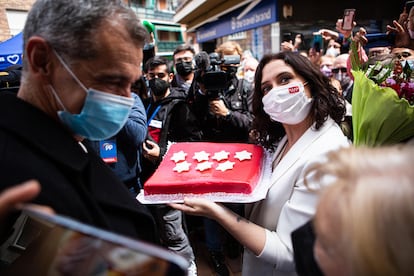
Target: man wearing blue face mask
[(122, 152), (75, 84)]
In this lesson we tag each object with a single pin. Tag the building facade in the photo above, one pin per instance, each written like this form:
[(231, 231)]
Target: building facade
[(260, 25), (12, 17), (168, 34)]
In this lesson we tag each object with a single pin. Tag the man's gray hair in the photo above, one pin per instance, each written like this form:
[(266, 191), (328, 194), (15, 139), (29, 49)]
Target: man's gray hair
[(69, 26)]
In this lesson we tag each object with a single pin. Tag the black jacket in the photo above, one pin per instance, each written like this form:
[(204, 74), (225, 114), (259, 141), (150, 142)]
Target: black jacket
[(178, 124), (73, 182), (232, 128), (303, 240)]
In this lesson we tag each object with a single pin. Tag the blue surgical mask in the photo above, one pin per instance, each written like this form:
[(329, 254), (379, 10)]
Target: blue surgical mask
[(102, 115)]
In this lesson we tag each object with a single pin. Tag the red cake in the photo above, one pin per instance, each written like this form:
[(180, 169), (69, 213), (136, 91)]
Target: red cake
[(200, 167)]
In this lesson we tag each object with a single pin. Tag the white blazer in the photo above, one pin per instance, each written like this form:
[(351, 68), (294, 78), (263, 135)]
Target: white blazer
[(289, 203)]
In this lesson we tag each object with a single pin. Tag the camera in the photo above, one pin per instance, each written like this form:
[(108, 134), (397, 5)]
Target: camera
[(209, 72)]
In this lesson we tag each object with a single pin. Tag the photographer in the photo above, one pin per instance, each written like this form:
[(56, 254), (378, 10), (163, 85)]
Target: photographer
[(218, 98), (222, 104)]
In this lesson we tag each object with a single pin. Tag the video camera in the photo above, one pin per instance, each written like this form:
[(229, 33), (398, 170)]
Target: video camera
[(210, 73)]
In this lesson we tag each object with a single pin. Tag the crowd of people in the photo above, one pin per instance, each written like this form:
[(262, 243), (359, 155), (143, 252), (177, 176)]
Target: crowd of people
[(86, 88)]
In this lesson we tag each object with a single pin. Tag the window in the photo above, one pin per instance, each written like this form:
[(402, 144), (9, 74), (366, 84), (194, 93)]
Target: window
[(172, 5), (16, 20)]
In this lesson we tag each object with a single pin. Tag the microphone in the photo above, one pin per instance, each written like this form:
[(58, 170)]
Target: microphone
[(202, 61)]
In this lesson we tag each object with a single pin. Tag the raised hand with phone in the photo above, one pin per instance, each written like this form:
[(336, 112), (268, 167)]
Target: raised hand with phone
[(346, 24), (403, 28), (343, 26), (348, 19), (289, 45)]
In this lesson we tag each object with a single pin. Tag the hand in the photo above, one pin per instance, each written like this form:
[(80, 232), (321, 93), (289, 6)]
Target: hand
[(396, 28), (150, 150), (291, 46), (199, 207), (403, 17), (202, 88), (402, 37), (345, 33), (360, 36), (13, 197), (218, 108), (328, 34), (287, 46)]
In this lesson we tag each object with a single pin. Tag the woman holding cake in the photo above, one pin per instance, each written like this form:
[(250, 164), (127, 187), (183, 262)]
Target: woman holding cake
[(297, 115)]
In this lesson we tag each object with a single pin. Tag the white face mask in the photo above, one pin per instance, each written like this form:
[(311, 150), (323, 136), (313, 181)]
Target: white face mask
[(287, 104), (332, 51), (249, 75)]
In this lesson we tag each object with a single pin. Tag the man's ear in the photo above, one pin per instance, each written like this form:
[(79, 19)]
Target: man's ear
[(170, 77), (39, 57)]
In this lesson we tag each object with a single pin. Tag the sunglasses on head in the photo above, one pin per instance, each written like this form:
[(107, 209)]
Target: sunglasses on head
[(336, 70)]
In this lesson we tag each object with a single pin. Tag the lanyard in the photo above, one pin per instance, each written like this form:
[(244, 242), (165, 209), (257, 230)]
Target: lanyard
[(153, 113)]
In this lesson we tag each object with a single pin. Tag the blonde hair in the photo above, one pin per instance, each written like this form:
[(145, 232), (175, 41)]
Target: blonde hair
[(372, 203), (228, 48)]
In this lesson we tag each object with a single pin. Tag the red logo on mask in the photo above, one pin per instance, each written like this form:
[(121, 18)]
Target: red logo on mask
[(293, 89)]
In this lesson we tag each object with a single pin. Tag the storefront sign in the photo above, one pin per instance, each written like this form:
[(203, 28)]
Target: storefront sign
[(263, 14)]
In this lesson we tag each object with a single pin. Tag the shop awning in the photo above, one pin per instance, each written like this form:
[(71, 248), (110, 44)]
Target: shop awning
[(198, 12), (167, 28)]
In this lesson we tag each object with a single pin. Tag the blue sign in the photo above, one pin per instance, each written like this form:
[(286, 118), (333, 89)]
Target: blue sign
[(262, 14)]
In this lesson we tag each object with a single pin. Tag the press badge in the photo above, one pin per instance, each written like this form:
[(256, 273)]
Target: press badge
[(155, 123), (107, 150)]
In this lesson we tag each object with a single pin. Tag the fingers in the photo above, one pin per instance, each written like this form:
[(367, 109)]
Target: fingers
[(151, 143), (391, 29), (144, 146), (362, 31), (218, 107), (13, 196), (184, 208), (360, 36)]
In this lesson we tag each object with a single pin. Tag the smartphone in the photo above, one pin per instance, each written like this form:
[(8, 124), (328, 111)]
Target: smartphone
[(348, 19), (408, 6), (287, 37), (43, 244), (317, 42)]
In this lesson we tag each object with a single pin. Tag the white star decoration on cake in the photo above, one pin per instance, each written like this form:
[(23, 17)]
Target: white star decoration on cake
[(243, 155), (221, 155), (182, 166), (179, 156), (201, 156), (204, 166), (225, 166)]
